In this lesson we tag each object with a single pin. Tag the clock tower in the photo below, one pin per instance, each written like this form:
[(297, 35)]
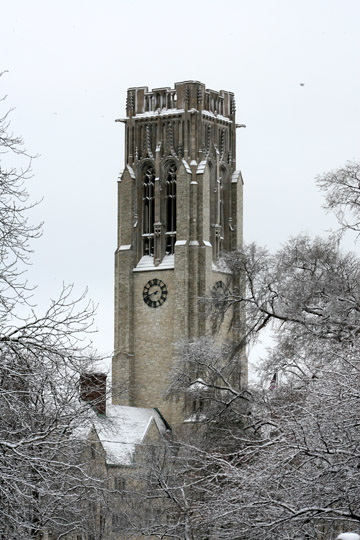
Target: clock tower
[(180, 207)]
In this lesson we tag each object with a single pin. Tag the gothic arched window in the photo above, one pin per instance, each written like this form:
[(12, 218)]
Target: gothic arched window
[(170, 199), (148, 198), (219, 213), (221, 203)]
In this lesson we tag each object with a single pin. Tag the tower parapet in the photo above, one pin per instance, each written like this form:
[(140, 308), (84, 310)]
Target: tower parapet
[(185, 95), (174, 116)]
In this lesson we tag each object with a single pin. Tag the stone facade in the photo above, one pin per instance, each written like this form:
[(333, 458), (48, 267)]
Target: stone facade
[(180, 206), (121, 448)]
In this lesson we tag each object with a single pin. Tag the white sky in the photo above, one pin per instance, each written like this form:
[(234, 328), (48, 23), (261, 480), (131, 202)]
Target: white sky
[(70, 64)]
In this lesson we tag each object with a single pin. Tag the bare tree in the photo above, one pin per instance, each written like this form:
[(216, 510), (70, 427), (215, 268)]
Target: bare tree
[(44, 471), (281, 463), (293, 469), (342, 194)]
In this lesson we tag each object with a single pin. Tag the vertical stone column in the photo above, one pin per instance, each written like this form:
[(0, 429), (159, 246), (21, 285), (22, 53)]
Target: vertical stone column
[(124, 313)]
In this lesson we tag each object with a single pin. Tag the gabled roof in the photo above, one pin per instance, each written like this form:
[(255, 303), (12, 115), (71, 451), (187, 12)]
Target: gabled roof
[(122, 429)]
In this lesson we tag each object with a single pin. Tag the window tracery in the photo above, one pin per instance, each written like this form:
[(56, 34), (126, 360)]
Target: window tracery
[(158, 236), (220, 217), (170, 205), (148, 210)]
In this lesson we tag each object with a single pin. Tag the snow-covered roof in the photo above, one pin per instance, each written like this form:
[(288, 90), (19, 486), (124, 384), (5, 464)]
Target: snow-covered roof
[(236, 176), (197, 385), (220, 266), (201, 167), (131, 171), (159, 112), (122, 429), (186, 165), (147, 263), (217, 116), (195, 418)]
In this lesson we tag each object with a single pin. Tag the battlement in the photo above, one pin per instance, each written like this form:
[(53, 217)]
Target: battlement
[(184, 96)]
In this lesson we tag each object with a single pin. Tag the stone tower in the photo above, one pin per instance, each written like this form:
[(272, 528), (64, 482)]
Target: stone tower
[(180, 206)]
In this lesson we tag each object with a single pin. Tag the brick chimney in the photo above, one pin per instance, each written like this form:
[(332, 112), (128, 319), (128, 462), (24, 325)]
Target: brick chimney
[(93, 390)]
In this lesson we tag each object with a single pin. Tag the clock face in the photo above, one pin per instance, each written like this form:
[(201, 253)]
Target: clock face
[(155, 293)]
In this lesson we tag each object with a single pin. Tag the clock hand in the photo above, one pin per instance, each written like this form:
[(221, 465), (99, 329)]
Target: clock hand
[(152, 294)]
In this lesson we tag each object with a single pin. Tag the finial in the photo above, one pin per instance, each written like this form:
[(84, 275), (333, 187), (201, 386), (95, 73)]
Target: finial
[(148, 142), (187, 95), (130, 101), (199, 95)]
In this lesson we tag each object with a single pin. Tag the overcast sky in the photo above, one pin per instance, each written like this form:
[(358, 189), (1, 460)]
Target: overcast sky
[(293, 66)]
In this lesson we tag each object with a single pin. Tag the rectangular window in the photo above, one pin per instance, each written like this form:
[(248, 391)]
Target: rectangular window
[(119, 483), (93, 450)]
